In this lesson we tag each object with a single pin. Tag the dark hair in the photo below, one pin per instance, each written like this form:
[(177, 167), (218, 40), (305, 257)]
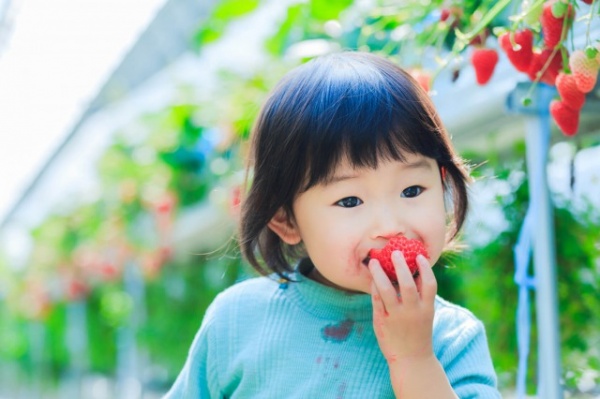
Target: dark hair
[(344, 104)]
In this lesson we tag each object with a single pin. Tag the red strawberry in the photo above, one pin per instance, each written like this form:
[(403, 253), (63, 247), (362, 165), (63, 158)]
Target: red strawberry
[(422, 77), (584, 69), (588, 1), (538, 62), (552, 25), (566, 118), (445, 14), (480, 39), (410, 248), (484, 61), (521, 55), (570, 95)]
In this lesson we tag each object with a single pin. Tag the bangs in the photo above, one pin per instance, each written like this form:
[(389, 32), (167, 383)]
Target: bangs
[(364, 114)]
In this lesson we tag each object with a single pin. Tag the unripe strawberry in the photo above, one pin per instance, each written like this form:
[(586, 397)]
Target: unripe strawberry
[(566, 118), (569, 93), (410, 248), (484, 61), (585, 70), (520, 55)]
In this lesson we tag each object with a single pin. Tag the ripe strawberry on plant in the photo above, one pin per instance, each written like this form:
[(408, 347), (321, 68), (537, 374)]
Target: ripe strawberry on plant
[(484, 61), (585, 70), (565, 117), (569, 93), (520, 55), (553, 19), (422, 77), (410, 248), (588, 1), (539, 60)]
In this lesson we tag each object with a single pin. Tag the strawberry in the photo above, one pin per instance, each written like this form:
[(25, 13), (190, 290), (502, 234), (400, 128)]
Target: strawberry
[(584, 69), (539, 60), (422, 77), (570, 95), (410, 248), (566, 118), (588, 1), (520, 55), (484, 61), (552, 24)]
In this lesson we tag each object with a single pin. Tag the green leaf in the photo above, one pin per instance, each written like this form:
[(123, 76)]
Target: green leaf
[(277, 43), (208, 34), (226, 10), (325, 10), (229, 9), (591, 52), (558, 9)]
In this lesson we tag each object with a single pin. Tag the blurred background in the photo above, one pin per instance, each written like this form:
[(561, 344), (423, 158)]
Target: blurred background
[(123, 131)]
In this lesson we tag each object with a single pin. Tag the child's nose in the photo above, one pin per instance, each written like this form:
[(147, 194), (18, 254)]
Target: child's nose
[(387, 222)]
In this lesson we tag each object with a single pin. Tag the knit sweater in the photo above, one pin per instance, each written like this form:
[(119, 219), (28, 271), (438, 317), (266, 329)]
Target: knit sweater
[(262, 339)]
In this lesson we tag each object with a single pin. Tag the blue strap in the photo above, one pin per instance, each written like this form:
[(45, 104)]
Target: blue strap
[(522, 254)]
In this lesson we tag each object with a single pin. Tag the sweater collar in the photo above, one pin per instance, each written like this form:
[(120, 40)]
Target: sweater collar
[(327, 302)]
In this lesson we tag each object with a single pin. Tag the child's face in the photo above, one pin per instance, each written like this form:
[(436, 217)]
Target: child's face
[(359, 209)]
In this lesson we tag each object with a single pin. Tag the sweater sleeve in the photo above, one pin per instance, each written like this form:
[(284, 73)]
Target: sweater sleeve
[(461, 346), (468, 364), (198, 378)]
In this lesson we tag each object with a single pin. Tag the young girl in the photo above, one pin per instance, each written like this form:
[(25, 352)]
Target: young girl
[(347, 152)]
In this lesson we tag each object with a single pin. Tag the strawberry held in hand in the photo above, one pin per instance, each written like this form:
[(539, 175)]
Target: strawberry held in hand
[(410, 248)]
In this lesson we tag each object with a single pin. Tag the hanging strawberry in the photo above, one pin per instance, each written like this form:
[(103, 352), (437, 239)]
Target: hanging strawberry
[(521, 53), (556, 20), (422, 77), (569, 92), (566, 118), (585, 69), (538, 62), (484, 61)]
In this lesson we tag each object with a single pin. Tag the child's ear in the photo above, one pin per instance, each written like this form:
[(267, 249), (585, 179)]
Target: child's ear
[(282, 225)]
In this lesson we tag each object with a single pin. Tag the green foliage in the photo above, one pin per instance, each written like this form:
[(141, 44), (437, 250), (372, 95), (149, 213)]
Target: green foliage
[(225, 11), (324, 10), (176, 303), (484, 279)]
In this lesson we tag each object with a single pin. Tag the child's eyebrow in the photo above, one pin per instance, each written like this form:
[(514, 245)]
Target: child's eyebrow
[(338, 178), (420, 164)]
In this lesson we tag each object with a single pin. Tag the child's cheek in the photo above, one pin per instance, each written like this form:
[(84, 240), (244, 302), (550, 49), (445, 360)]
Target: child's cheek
[(353, 262)]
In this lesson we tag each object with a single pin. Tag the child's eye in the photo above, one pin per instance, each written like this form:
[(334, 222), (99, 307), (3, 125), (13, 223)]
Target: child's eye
[(412, 191), (349, 202)]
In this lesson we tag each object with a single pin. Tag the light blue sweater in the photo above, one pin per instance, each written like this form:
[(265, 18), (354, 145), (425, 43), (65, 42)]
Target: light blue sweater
[(261, 339)]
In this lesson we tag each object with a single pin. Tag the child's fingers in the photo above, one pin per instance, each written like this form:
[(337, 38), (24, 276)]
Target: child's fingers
[(387, 292), (406, 282), (428, 282), (378, 307)]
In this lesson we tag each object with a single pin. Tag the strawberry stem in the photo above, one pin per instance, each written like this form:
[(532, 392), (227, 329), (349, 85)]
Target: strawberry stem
[(464, 39), (589, 22), (539, 75)]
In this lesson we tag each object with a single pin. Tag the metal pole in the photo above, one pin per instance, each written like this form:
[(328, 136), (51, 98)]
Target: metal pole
[(537, 140)]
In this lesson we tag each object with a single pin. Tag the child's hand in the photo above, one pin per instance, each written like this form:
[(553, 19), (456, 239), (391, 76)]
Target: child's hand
[(403, 315)]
